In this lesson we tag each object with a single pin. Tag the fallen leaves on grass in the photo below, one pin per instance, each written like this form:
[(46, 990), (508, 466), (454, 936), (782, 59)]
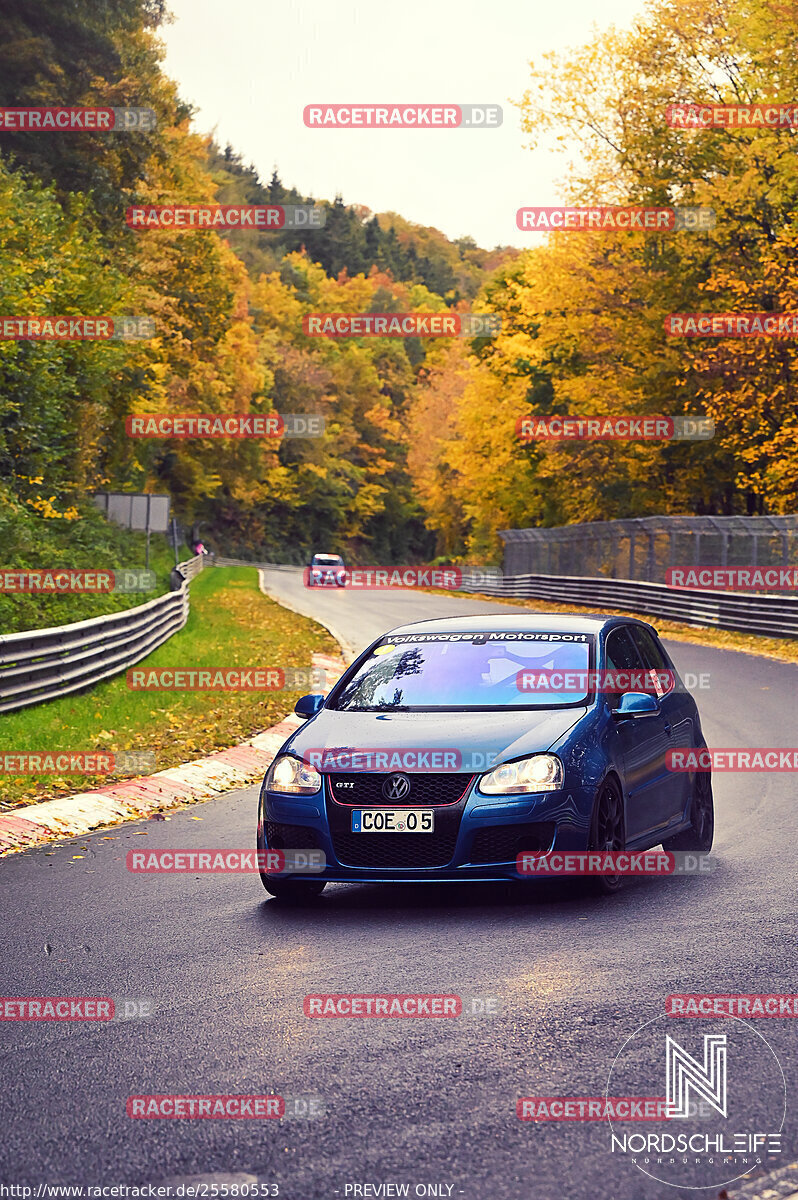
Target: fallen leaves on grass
[(238, 627)]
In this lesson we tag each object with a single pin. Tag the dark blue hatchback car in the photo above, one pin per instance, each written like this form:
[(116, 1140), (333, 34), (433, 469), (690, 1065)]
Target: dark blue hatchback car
[(449, 747)]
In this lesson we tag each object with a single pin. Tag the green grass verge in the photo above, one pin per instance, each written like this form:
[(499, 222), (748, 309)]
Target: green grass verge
[(231, 624)]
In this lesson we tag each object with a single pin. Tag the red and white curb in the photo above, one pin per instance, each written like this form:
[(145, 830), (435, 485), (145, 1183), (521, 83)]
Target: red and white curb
[(150, 794)]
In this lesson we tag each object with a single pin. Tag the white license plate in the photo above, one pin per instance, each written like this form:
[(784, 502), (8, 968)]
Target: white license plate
[(393, 820)]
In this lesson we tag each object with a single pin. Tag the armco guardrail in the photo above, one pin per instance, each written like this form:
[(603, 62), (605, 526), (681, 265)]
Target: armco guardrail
[(219, 561), (770, 615), (43, 664)]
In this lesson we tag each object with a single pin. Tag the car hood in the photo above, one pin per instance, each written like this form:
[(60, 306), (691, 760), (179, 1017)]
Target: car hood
[(497, 736)]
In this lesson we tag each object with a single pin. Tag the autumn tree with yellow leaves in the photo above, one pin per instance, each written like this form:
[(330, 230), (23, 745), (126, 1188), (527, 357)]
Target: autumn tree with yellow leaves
[(584, 312)]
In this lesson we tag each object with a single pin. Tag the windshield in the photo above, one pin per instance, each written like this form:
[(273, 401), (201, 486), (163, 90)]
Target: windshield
[(327, 560), (458, 671)]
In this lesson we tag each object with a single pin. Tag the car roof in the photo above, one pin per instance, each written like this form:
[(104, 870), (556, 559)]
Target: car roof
[(496, 623)]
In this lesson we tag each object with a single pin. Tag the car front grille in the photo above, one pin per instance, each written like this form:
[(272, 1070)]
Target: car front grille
[(361, 788), (446, 792), (503, 843)]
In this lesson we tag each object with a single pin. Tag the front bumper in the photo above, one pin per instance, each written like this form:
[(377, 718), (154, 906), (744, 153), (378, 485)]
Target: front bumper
[(481, 835)]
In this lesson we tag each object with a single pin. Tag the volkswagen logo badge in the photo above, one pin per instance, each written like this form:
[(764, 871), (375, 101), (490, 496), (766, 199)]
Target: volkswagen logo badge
[(396, 787)]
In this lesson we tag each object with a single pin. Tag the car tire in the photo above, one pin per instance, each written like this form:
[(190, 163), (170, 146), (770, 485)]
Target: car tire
[(700, 835), (292, 891), (607, 833)]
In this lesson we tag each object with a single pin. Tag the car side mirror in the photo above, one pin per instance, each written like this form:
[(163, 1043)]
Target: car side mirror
[(634, 705), (308, 706)]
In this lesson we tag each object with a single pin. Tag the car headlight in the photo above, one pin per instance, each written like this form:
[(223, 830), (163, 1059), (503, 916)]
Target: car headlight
[(291, 775), (540, 773)]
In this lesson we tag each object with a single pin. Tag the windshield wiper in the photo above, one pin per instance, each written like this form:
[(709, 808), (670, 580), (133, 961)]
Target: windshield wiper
[(386, 708)]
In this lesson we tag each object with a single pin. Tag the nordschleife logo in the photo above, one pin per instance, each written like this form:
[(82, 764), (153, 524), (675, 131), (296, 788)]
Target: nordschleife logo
[(724, 1099)]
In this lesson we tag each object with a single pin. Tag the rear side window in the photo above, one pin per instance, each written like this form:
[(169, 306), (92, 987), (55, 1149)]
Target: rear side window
[(621, 653), (649, 647), (654, 659)]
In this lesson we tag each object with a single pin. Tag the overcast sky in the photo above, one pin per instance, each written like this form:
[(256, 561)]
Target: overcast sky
[(250, 67)]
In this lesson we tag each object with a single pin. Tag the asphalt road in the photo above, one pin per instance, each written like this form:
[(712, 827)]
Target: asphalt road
[(406, 1101)]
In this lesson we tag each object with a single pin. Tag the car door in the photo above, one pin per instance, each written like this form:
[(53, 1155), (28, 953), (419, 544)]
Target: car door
[(676, 710), (644, 743)]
